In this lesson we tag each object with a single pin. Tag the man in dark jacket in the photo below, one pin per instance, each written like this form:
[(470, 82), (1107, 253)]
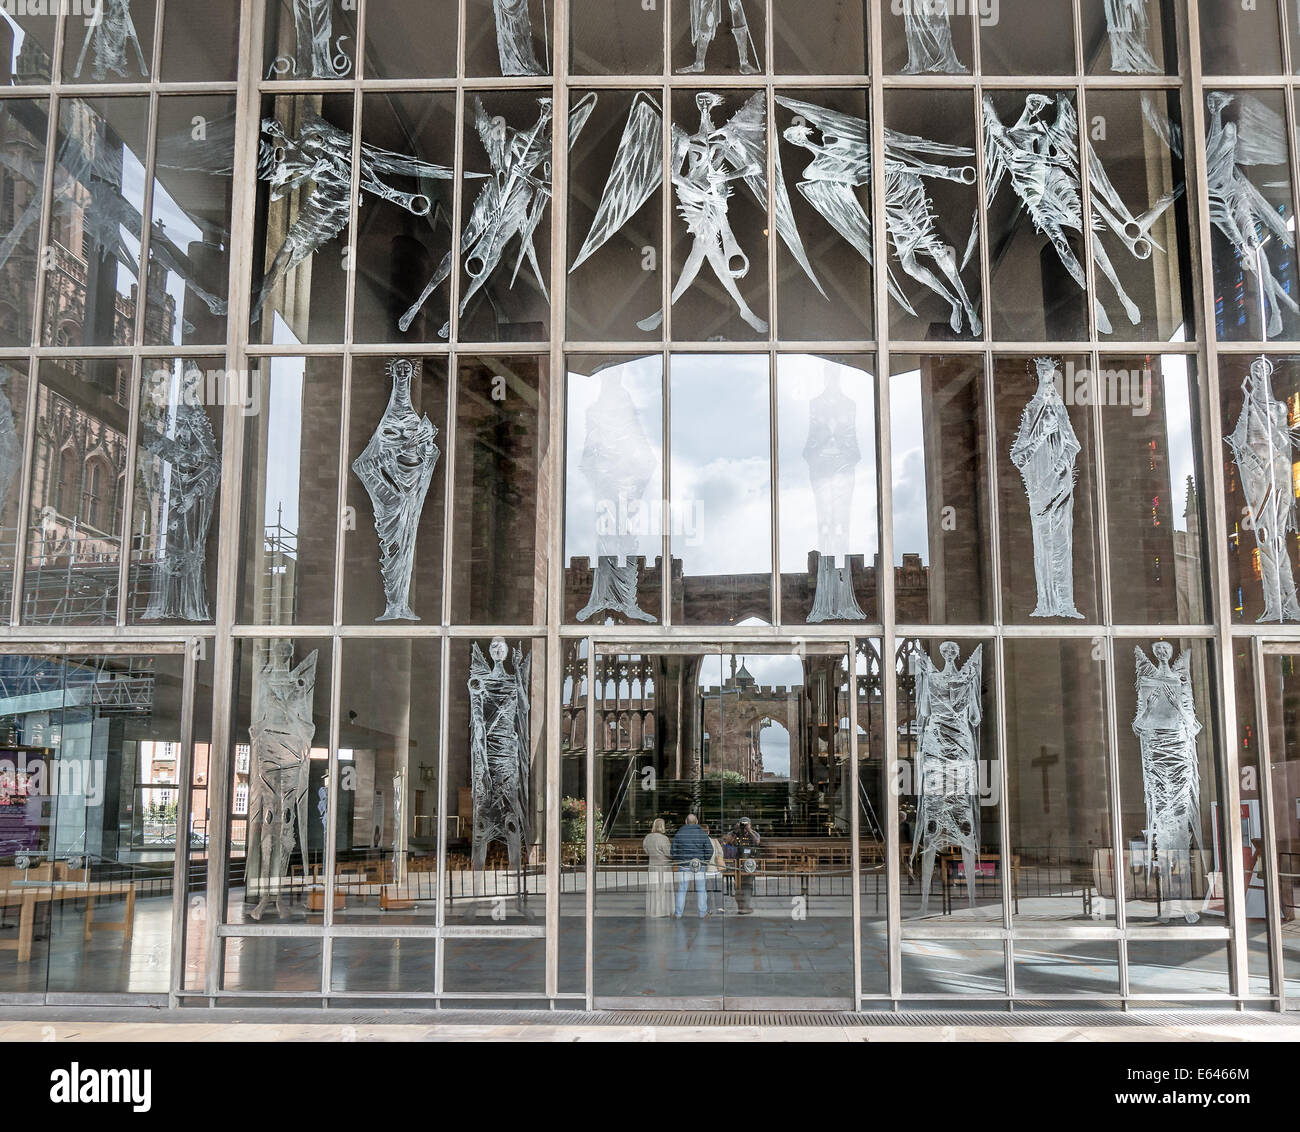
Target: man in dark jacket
[(692, 850)]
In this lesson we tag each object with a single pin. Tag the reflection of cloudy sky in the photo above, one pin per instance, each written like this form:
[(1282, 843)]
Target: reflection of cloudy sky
[(720, 467), (643, 380), (284, 427), (911, 527), (1178, 424), (800, 378)]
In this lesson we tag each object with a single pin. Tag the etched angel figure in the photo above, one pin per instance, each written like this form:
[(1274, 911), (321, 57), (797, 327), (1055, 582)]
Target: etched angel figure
[(281, 732), (842, 163), (1045, 450), (1128, 26), (948, 714), (511, 203), (1263, 446), (833, 456), (396, 469), (1041, 162), (706, 18), (318, 53), (515, 38), (704, 167), (321, 157), (187, 449), (110, 32), (929, 38), (1237, 208), (618, 462), (500, 752), (1167, 727)]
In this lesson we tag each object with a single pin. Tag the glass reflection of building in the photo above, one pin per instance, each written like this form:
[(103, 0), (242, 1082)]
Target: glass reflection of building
[(723, 561)]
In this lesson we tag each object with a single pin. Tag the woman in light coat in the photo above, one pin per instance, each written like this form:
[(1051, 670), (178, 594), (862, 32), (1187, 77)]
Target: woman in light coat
[(659, 872)]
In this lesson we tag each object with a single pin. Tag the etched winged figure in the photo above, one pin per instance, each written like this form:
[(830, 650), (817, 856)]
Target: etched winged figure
[(500, 752)]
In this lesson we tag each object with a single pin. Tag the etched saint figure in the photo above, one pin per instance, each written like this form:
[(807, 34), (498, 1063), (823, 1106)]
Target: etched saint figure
[(706, 18), (1263, 447), (928, 29), (500, 752), (515, 38), (1045, 450), (396, 468), (186, 448), (841, 148), (1237, 208), (110, 32), (833, 456), (279, 764), (948, 714), (320, 156), (1128, 26), (1166, 726), (618, 462), (318, 53)]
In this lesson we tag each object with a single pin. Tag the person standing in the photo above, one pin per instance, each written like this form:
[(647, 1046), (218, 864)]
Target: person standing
[(746, 841), (659, 884), (692, 852)]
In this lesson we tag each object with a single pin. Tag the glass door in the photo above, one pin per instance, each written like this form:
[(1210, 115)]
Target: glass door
[(722, 808), (91, 801)]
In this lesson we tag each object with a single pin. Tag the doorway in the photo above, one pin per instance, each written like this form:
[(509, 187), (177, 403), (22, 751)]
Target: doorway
[(754, 908), (94, 762)]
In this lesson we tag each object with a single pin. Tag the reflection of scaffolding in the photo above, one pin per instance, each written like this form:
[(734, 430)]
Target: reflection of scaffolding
[(279, 572), (71, 577), (117, 685)]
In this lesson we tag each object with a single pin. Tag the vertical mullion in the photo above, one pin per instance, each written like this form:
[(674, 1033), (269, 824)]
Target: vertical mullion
[(329, 864), (1272, 885), (181, 863), (885, 570)]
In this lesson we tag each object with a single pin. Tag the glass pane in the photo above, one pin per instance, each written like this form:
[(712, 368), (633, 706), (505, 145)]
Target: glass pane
[(1239, 39), (1058, 776), (1252, 245), (572, 943), (399, 966), (23, 124), (721, 517), (922, 37), (198, 827), (1066, 967), (1047, 492), (1261, 407), (392, 557), (201, 42), (387, 795), (116, 46), (189, 242), (28, 47), (507, 37), (177, 490), (95, 223), (1130, 37), (740, 33), (79, 469), (1177, 967), (719, 243), (411, 39), (496, 783), (932, 212), (271, 964), (1254, 862), (1140, 214), (1036, 257), (500, 521), (827, 418), (616, 39), (290, 492), (821, 37), (873, 784), (305, 172), (823, 186), (507, 152), (614, 488), (954, 966), (1170, 813), (279, 794), (494, 966), (940, 470), (1026, 37), (404, 240), (14, 392), (1154, 490), (616, 219), (949, 782), (310, 39)]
